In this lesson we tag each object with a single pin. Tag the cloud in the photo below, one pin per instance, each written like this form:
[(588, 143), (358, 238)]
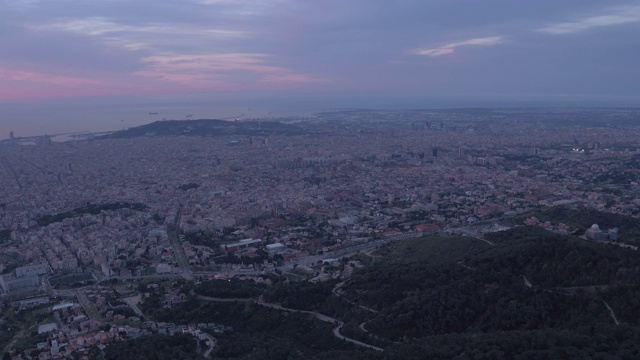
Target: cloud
[(451, 48), (38, 77), (218, 68), (20, 5), (612, 17), (244, 7), (136, 37), (288, 78)]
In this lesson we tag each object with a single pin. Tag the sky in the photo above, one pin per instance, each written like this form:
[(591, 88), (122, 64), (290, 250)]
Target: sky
[(68, 65)]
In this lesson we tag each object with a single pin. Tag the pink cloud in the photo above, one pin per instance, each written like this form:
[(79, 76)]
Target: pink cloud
[(292, 78), (37, 77), (217, 69), (163, 74)]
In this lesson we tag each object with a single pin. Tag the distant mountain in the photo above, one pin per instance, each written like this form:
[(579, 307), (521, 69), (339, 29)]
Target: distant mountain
[(205, 127)]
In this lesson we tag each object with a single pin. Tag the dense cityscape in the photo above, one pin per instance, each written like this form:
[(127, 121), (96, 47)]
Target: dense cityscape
[(92, 228)]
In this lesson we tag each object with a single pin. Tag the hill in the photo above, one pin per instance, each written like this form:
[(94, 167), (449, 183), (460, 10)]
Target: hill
[(205, 127), (554, 296), (581, 218), (525, 293)]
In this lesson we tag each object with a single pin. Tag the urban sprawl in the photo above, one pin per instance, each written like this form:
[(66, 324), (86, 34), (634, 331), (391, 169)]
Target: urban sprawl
[(76, 215)]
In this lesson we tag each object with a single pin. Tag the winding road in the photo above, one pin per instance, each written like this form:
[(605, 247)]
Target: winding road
[(319, 316)]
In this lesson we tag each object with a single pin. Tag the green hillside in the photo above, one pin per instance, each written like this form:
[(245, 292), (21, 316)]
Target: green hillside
[(524, 293), (440, 295)]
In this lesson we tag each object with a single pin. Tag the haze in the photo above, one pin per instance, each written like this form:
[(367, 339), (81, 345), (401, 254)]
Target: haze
[(74, 65)]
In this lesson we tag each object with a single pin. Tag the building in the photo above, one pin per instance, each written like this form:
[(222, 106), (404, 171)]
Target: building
[(38, 269), (164, 269), (25, 283), (160, 233), (594, 233), (276, 248), (242, 244), (47, 328)]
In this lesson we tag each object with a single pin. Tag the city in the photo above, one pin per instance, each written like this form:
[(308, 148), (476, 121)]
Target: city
[(93, 228)]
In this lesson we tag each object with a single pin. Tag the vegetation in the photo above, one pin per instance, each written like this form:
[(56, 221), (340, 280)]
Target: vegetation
[(229, 289), (188, 186), (582, 218), (300, 295), (91, 209), (533, 294), (258, 332), (60, 280), (204, 238), (158, 219), (5, 235), (16, 327), (526, 293), (477, 304), (156, 347)]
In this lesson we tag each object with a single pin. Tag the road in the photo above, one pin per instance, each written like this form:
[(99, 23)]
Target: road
[(319, 316), (348, 251), (88, 306), (142, 277), (133, 304), (325, 318), (178, 251), (212, 344), (336, 292)]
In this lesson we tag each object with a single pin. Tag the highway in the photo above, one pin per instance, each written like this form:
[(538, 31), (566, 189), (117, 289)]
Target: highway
[(178, 251), (348, 251)]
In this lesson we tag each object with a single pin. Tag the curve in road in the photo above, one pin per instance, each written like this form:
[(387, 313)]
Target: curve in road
[(319, 316)]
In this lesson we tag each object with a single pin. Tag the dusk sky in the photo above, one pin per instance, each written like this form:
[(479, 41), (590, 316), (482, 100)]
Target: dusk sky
[(66, 54)]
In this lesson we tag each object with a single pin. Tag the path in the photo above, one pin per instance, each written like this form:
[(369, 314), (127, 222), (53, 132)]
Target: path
[(133, 304), (319, 316), (212, 344), (481, 239), (325, 318), (337, 294), (363, 324), (613, 315)]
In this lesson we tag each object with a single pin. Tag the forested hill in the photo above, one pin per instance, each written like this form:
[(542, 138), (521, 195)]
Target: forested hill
[(524, 293), (206, 127), (532, 292)]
